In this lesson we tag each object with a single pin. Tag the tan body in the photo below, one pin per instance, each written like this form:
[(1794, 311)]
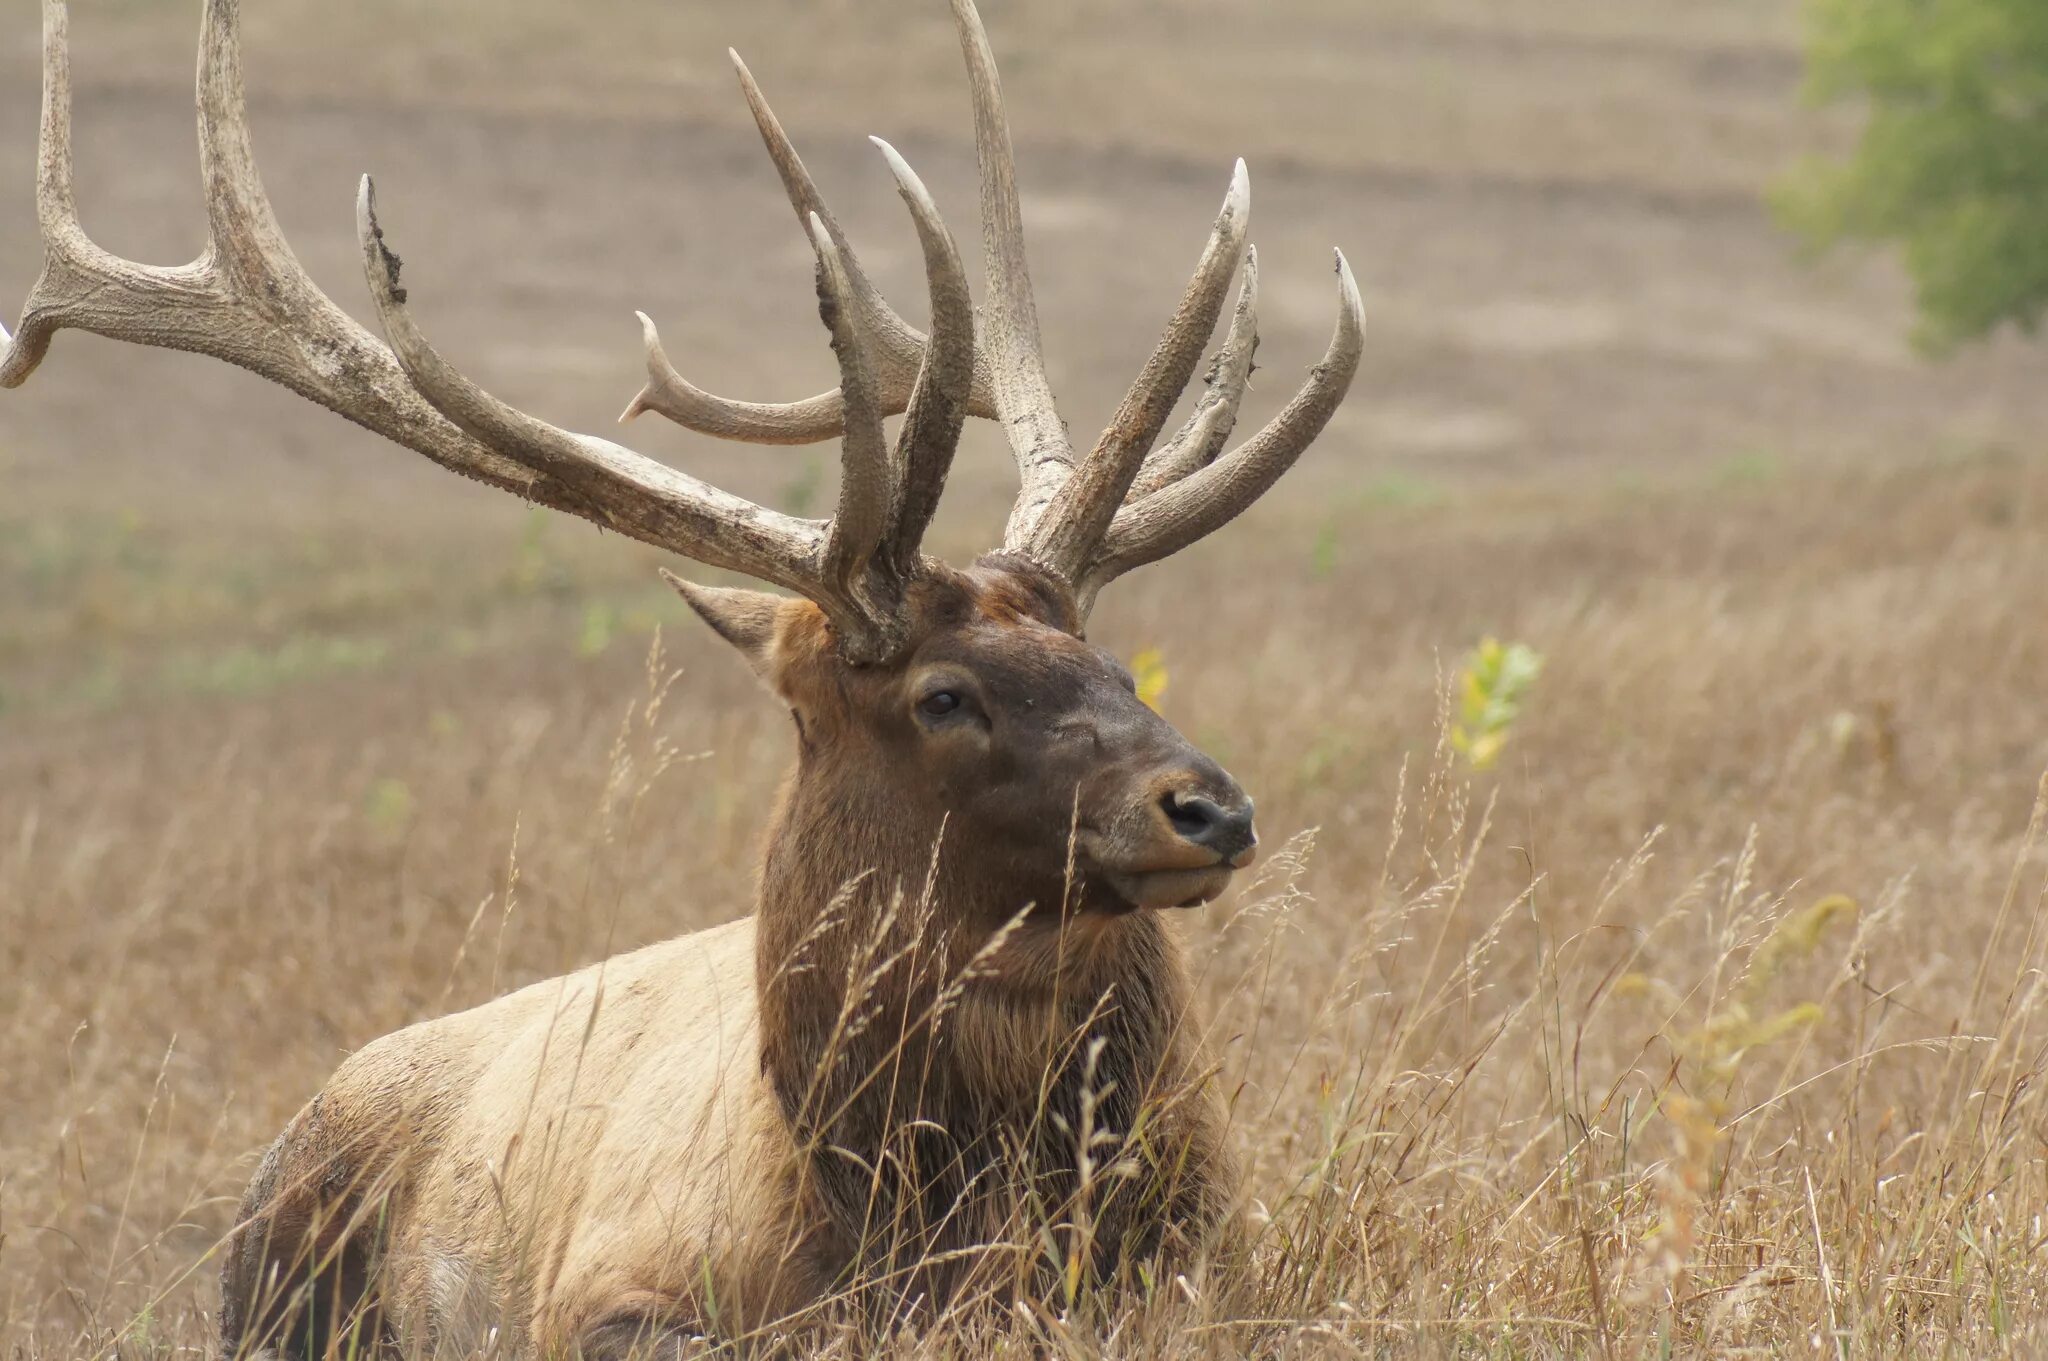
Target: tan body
[(579, 1148)]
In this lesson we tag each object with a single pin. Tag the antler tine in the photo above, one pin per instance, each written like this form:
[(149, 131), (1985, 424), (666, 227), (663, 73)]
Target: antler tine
[(56, 209), (670, 394), (1201, 436), (939, 399), (1176, 515), (244, 301), (895, 346), (243, 235), (685, 516), (1023, 398), (1066, 537), (866, 481), (56, 203)]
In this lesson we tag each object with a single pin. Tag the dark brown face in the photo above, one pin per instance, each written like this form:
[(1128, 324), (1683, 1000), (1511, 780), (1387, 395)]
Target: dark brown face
[(1037, 742), (1029, 743)]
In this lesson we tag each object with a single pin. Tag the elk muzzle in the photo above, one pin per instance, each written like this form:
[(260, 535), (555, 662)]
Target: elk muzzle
[(1178, 843), (1202, 821)]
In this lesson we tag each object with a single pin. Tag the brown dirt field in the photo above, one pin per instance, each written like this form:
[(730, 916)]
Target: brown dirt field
[(278, 702)]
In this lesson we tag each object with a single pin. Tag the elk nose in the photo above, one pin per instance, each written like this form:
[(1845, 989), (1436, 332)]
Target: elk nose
[(1207, 823)]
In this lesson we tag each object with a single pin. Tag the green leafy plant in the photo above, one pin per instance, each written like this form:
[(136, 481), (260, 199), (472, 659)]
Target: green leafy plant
[(1148, 668), (1492, 684)]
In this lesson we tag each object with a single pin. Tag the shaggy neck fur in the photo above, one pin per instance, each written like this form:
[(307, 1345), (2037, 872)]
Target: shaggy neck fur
[(942, 1061)]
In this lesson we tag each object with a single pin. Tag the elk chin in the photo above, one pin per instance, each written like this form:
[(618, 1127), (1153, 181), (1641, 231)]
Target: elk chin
[(1168, 888)]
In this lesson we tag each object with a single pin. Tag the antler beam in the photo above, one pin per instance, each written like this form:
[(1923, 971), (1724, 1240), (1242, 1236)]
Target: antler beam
[(697, 520), (248, 301)]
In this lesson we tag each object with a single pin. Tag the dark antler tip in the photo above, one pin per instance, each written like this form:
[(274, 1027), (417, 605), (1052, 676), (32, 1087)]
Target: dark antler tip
[(385, 255), (828, 303)]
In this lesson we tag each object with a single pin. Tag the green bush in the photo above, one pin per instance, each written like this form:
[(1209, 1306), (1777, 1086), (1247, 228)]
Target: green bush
[(1953, 160)]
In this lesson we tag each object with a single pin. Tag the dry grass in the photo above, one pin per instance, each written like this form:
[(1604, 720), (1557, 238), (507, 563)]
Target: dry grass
[(1495, 1040), (1580, 1056)]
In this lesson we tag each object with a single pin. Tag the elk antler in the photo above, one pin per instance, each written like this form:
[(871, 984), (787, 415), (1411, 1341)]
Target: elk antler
[(896, 344), (1090, 519), (1211, 495), (1201, 437), (247, 300), (943, 392)]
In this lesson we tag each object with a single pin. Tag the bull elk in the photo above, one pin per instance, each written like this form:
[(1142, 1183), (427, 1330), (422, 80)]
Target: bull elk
[(948, 1053)]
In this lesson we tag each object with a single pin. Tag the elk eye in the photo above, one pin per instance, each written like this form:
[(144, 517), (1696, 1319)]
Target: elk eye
[(939, 703)]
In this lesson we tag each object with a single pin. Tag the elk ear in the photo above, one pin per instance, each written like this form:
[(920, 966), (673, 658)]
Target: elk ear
[(750, 620)]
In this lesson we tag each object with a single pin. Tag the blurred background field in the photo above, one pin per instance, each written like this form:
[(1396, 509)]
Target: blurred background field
[(302, 739)]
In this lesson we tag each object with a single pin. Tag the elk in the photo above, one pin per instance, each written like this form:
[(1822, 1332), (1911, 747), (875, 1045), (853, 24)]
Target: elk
[(959, 1006)]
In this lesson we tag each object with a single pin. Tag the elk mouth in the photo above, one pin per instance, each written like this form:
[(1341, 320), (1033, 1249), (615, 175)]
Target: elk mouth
[(1161, 888)]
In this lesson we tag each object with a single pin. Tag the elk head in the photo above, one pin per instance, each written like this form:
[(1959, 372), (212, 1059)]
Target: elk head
[(995, 727), (969, 694)]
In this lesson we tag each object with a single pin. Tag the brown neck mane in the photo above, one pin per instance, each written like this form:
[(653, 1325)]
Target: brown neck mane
[(934, 1051)]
